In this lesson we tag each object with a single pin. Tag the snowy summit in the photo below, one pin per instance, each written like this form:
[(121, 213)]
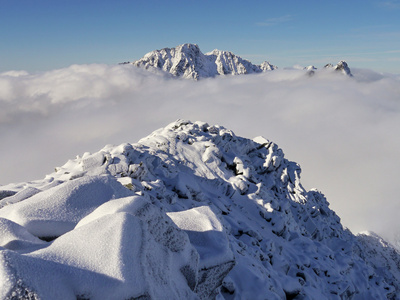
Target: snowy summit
[(341, 66), (190, 212), (188, 61)]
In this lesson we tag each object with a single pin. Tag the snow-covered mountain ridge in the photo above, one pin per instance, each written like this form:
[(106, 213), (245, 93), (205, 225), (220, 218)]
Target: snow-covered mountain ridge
[(187, 61), (190, 212)]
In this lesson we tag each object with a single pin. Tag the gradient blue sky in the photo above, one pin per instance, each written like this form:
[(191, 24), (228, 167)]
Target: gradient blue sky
[(47, 34)]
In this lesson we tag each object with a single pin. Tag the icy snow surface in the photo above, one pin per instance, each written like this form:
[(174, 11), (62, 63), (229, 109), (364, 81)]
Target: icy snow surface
[(190, 212)]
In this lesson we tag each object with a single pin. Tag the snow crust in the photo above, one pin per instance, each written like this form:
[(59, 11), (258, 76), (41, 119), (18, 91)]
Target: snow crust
[(190, 212), (55, 211)]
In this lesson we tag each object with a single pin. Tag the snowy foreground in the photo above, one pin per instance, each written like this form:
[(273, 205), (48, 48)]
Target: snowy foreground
[(190, 212)]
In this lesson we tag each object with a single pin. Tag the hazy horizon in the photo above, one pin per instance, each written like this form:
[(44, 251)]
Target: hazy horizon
[(47, 35)]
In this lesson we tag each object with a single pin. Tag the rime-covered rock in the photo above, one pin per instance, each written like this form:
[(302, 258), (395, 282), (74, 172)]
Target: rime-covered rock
[(191, 211), (129, 249)]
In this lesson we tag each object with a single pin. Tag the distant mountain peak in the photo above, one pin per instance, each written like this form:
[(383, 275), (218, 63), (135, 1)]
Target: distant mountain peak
[(341, 66), (267, 66), (187, 61)]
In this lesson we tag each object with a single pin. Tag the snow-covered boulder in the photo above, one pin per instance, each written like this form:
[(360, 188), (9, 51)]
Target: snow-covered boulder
[(16, 237), (128, 251), (207, 235), (56, 211)]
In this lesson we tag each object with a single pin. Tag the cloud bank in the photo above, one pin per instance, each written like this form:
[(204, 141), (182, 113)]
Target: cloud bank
[(342, 131)]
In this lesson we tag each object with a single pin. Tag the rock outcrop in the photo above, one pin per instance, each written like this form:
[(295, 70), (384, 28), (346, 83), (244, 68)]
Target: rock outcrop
[(341, 67), (191, 211)]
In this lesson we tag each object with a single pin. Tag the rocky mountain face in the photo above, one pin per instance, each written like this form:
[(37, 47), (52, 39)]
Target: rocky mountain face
[(190, 212), (188, 61), (341, 67)]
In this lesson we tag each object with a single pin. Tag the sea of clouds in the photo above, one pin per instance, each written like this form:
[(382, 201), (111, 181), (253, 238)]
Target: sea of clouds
[(343, 131)]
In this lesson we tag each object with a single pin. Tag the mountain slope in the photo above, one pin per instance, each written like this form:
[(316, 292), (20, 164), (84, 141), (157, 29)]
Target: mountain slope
[(188, 61), (191, 211)]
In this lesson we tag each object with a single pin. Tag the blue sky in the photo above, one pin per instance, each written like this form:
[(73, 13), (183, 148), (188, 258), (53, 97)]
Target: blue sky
[(47, 34)]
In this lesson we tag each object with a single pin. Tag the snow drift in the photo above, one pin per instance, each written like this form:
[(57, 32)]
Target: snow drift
[(190, 212)]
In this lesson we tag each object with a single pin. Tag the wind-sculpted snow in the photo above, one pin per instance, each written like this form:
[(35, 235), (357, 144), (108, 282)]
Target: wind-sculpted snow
[(56, 211), (191, 211)]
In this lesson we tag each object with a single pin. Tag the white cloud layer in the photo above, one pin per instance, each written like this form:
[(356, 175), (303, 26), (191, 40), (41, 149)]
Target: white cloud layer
[(343, 131)]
